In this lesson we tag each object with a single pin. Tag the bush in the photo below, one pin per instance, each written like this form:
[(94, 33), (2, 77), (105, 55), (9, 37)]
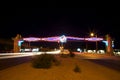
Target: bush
[(56, 62), (77, 68), (44, 61)]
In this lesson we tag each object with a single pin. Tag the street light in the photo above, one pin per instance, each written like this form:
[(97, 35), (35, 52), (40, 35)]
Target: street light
[(92, 35), (96, 44)]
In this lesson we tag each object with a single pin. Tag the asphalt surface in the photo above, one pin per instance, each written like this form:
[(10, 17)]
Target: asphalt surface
[(113, 64), (5, 63), (110, 62)]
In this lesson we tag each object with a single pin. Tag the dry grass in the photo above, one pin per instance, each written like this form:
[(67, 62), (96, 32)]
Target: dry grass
[(89, 71)]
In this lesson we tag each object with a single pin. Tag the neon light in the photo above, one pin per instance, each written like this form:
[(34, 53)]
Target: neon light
[(106, 43), (75, 38), (20, 42), (31, 39), (94, 39), (61, 39)]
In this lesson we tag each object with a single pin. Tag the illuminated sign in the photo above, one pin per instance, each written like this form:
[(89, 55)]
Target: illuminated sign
[(106, 43), (63, 39), (20, 42)]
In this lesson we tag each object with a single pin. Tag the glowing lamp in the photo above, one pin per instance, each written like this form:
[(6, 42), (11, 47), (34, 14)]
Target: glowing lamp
[(92, 34)]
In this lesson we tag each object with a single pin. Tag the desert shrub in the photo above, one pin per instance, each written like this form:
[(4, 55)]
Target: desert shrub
[(44, 61), (56, 62), (77, 68)]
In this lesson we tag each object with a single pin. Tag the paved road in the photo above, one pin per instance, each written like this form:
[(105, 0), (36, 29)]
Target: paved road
[(108, 61), (112, 62), (12, 59), (5, 63)]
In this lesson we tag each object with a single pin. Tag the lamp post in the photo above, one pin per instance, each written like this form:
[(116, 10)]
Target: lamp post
[(96, 44), (86, 44), (92, 35)]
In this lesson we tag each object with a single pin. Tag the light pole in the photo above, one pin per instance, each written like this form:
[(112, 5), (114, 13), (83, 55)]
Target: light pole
[(86, 44), (96, 44), (92, 35)]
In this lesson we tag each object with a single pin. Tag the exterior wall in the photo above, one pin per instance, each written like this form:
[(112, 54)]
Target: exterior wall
[(109, 48), (16, 48)]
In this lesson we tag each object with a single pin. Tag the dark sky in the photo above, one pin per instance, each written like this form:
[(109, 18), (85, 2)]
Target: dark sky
[(44, 22)]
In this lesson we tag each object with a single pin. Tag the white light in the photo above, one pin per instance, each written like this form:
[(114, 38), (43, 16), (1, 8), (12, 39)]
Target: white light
[(63, 39), (27, 49), (35, 50), (23, 54), (78, 49), (54, 52)]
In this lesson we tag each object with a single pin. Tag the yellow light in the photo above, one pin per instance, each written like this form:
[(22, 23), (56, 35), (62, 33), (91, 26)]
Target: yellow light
[(91, 34)]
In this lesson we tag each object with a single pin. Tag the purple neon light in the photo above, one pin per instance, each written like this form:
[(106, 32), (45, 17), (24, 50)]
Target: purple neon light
[(31, 39), (57, 38), (75, 38), (94, 39), (53, 39)]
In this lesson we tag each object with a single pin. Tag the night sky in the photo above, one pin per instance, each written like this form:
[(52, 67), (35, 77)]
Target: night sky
[(48, 22)]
